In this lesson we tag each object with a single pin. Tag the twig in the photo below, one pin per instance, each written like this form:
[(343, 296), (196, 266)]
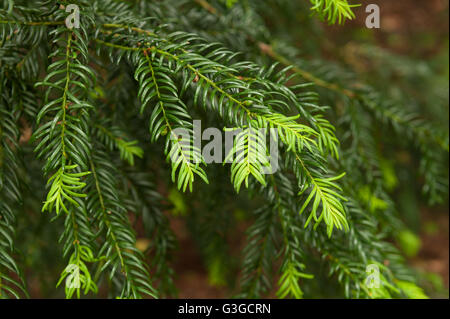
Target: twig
[(268, 50), (207, 6)]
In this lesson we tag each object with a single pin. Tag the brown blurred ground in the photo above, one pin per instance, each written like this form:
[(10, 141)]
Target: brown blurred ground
[(402, 23), (191, 276), (434, 254)]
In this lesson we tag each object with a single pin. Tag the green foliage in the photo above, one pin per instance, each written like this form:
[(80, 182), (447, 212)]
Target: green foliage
[(10, 196), (411, 290), (323, 192), (334, 10), (409, 242), (123, 262), (249, 157), (109, 108), (115, 139), (230, 3), (77, 274), (169, 114), (64, 187)]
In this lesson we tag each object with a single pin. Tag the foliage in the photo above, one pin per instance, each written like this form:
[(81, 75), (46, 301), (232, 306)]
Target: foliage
[(105, 104)]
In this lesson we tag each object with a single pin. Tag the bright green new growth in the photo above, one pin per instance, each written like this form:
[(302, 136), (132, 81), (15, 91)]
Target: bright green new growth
[(334, 10), (77, 274), (104, 103), (64, 188)]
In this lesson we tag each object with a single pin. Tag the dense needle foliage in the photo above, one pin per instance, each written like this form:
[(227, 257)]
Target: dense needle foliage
[(88, 122)]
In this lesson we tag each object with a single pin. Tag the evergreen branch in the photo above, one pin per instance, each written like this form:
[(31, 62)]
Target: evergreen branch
[(147, 203), (183, 155), (65, 187), (113, 138), (119, 247), (268, 50), (249, 157), (325, 193), (64, 184), (395, 118), (258, 255), (64, 135), (291, 136), (32, 23), (207, 6), (334, 10), (280, 195), (12, 281), (241, 104), (78, 238)]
